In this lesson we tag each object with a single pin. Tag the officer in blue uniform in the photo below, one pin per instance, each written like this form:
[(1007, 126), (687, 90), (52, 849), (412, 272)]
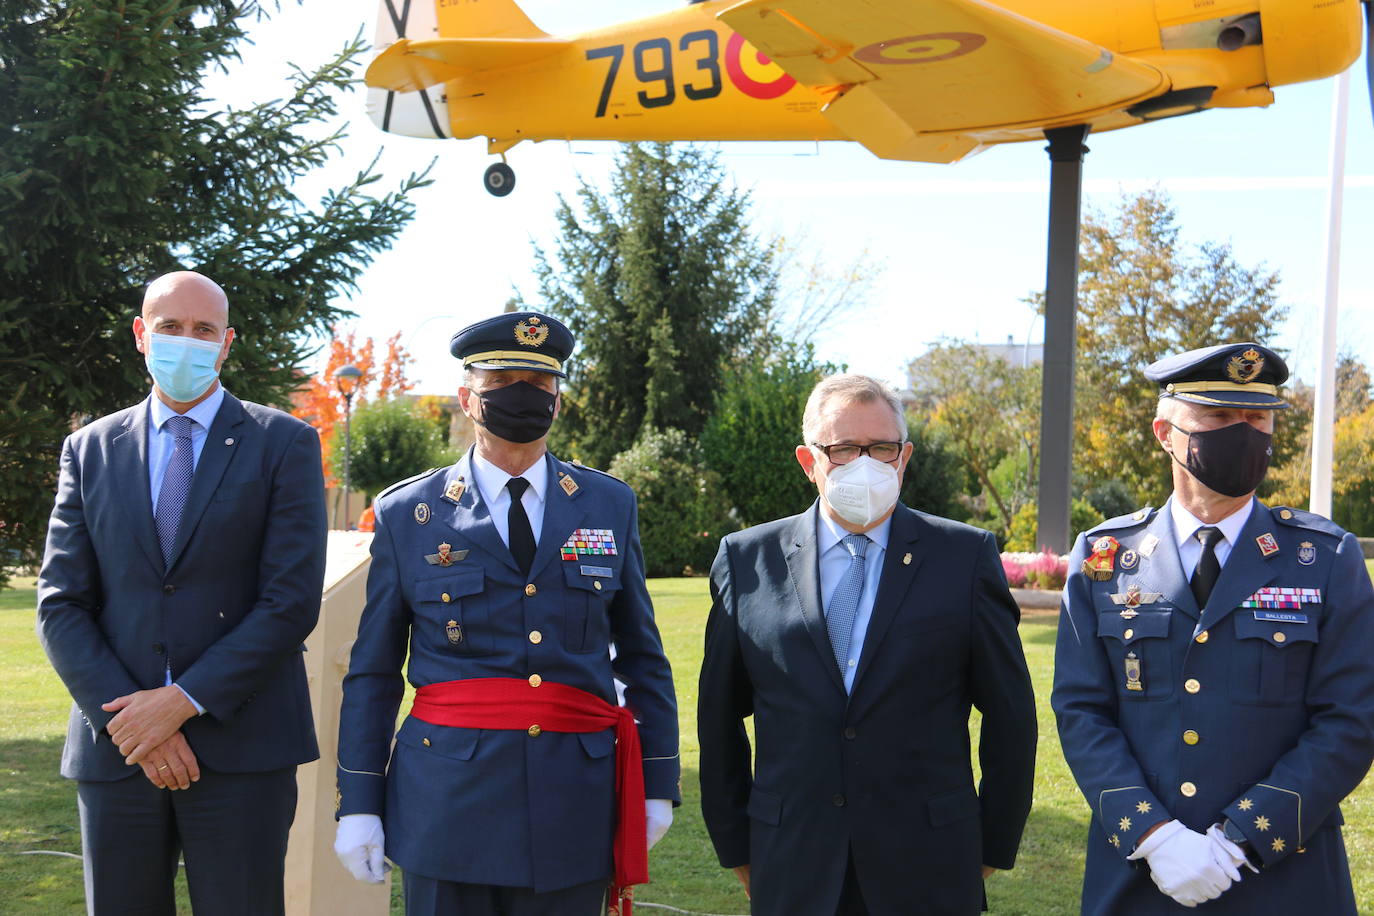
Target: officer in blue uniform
[(510, 564), (1214, 685)]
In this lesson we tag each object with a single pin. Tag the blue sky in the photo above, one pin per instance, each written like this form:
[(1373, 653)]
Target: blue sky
[(955, 247)]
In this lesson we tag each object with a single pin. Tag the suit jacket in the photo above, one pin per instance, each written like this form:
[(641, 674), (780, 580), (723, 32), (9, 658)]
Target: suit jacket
[(229, 612), (496, 806), (1258, 707), (884, 771)]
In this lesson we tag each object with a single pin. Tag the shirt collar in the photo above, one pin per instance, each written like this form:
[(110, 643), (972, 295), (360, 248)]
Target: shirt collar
[(829, 533), (203, 413), (1186, 523), (491, 480)]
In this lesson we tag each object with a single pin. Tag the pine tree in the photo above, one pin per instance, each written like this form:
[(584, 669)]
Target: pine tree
[(114, 169)]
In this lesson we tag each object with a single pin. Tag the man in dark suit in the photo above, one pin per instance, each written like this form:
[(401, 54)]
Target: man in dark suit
[(516, 786), (183, 569), (1213, 683), (858, 634)]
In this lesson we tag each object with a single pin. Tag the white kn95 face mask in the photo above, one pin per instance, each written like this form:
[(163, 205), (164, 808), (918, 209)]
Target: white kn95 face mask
[(862, 491)]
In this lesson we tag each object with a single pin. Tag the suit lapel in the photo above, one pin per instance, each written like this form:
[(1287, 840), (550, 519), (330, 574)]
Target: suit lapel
[(1165, 573), (215, 456), (1247, 568), (894, 581), (470, 517), (799, 550), (129, 466), (562, 512)]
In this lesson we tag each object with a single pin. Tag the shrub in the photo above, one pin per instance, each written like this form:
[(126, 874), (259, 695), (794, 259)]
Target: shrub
[(1082, 516), (683, 512), (1045, 569)]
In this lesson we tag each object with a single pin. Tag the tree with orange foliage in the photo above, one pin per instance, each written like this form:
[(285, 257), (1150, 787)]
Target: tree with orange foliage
[(320, 403)]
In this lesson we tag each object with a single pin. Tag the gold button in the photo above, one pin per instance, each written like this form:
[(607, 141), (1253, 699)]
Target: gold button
[(1203, 636), (1130, 633), (445, 598), (535, 731), (596, 585), (425, 742), (1191, 737), (1188, 789), (1280, 636), (1192, 685), (1285, 514), (535, 680), (530, 590), (536, 637)]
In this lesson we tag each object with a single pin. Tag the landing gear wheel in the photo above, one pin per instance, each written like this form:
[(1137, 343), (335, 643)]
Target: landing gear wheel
[(499, 179)]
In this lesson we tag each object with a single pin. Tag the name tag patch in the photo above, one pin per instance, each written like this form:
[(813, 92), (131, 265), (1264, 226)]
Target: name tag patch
[(604, 572), (1280, 617)]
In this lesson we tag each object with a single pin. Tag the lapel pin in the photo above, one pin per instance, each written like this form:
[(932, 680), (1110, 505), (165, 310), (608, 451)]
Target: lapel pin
[(906, 560), (229, 441), (1267, 545), (454, 492), (1307, 553), (568, 484), (421, 513), (1129, 558)]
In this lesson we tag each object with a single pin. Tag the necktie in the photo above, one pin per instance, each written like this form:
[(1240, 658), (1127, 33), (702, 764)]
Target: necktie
[(176, 484), (844, 603), (521, 536), (1205, 576)]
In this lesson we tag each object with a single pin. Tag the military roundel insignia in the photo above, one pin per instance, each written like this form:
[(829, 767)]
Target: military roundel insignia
[(1129, 559), (531, 332), (1245, 367), (1307, 553), (1099, 566), (421, 513), (1267, 545)]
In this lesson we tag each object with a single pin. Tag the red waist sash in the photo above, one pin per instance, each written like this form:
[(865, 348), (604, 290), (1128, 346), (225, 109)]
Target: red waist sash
[(512, 704)]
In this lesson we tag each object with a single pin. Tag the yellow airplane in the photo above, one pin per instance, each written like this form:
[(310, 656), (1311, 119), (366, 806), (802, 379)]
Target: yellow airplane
[(924, 80)]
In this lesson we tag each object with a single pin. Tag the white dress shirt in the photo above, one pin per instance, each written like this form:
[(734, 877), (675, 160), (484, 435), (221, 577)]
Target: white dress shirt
[(491, 483), (1186, 525), (834, 562)]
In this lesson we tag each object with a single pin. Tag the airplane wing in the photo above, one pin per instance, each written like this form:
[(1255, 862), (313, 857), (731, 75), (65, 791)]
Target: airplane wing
[(936, 79), (410, 65)]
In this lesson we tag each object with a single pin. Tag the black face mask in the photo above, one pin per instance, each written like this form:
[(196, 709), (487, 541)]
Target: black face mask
[(519, 412), (1230, 460)]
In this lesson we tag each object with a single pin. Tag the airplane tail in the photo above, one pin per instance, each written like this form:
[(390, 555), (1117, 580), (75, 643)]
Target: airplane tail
[(423, 43)]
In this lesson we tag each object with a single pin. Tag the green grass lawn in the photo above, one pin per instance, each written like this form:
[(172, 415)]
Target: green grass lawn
[(38, 807)]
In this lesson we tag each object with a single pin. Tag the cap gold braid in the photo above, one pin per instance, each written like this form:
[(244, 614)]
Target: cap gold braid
[(1192, 387), (513, 357)]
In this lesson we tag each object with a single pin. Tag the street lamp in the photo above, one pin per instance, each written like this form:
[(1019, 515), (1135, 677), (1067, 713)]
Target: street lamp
[(347, 380)]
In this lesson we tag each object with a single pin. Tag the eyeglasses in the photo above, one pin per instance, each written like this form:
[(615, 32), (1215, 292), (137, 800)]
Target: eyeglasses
[(844, 452)]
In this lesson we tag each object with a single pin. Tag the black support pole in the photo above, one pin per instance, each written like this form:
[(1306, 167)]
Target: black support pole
[(1066, 151)]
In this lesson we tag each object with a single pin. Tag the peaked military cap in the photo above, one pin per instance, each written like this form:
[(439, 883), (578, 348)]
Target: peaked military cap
[(1231, 375), (515, 340)]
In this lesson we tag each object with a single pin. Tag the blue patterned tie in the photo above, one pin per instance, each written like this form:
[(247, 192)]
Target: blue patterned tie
[(844, 603), (176, 484)]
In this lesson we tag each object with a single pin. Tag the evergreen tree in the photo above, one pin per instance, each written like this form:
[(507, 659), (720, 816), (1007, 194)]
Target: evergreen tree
[(114, 169), (661, 280)]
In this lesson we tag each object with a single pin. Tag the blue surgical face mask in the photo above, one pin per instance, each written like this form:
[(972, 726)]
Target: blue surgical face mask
[(183, 367)]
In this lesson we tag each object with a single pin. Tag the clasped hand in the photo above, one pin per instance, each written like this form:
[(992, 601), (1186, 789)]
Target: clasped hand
[(146, 728), (1188, 866)]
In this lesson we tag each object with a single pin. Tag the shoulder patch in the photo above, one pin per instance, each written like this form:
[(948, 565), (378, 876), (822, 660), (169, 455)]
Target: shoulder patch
[(1135, 519), (1301, 518), (401, 483)]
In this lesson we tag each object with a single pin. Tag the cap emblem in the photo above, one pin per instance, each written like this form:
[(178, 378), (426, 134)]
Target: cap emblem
[(531, 332), (1245, 367)]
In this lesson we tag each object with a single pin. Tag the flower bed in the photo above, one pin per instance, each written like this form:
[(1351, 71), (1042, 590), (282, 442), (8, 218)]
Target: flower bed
[(1043, 570)]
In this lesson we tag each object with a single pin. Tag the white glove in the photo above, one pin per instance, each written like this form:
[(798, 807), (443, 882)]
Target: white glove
[(360, 845), (658, 817), (1182, 864), (1228, 855)]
